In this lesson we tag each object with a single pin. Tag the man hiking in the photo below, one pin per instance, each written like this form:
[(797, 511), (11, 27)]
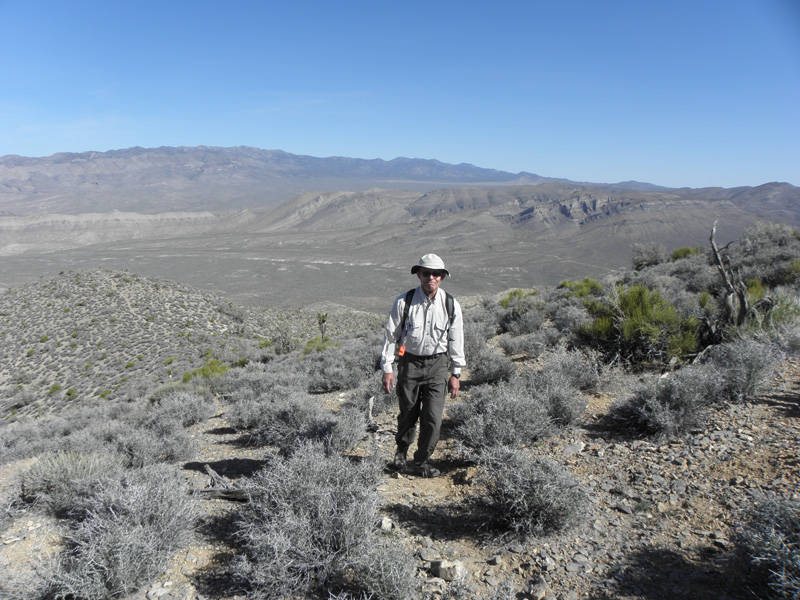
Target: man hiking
[(426, 323)]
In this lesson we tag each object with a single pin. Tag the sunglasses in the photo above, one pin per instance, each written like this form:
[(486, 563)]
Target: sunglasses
[(426, 273)]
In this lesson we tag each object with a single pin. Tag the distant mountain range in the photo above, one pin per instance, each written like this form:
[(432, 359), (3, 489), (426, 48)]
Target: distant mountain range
[(268, 226), (206, 178)]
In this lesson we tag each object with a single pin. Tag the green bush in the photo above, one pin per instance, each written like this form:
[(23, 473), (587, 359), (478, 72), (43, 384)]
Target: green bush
[(529, 494), (318, 344), (684, 252), (641, 326), (515, 296), (582, 289)]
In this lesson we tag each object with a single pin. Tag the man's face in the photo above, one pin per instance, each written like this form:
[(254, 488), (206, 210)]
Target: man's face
[(430, 280)]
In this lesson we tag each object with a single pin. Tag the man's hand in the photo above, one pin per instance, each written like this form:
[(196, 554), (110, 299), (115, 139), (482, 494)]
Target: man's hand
[(453, 385), (388, 382)]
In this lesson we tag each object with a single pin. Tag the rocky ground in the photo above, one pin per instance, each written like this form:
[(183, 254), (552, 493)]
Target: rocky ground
[(664, 516), (663, 522)]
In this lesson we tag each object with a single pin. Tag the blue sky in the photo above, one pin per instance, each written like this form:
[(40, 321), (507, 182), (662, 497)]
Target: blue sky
[(678, 93)]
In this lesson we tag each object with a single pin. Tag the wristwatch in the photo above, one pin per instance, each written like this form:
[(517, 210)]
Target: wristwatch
[(456, 376)]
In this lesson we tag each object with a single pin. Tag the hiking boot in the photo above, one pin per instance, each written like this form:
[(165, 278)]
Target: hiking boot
[(399, 460), (426, 470)]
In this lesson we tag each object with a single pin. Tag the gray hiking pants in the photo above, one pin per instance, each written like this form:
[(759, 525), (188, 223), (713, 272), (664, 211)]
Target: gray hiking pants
[(421, 390)]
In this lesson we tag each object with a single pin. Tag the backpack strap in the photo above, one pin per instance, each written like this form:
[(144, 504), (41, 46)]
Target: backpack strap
[(450, 304), (409, 296)]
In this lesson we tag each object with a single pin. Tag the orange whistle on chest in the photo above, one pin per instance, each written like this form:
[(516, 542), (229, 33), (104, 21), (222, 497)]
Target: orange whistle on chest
[(401, 351)]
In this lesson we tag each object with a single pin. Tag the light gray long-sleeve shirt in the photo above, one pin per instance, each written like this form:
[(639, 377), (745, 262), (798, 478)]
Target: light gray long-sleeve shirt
[(427, 330)]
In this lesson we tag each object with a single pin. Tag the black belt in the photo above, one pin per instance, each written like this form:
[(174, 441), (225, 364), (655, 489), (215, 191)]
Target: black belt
[(428, 357)]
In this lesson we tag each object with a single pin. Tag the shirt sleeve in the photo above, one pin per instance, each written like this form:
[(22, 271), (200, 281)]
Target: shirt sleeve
[(391, 334), (455, 341)]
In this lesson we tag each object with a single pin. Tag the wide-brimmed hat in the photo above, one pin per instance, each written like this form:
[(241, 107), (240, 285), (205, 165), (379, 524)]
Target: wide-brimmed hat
[(431, 262)]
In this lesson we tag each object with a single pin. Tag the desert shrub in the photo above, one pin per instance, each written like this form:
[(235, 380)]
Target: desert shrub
[(372, 389), (531, 344), (648, 254), (281, 419), (309, 518), (745, 364), (522, 314), (641, 326), (529, 494), (284, 374), (670, 408), (789, 339), (349, 429), (283, 340), (582, 289), (694, 273), (388, 571), (343, 367), (505, 413), (142, 443), (570, 318), (528, 322), (766, 252), (771, 537), (131, 528), (786, 310), (680, 253), (574, 367), (489, 366), (62, 483), (558, 383), (476, 334), (486, 311), (185, 407)]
